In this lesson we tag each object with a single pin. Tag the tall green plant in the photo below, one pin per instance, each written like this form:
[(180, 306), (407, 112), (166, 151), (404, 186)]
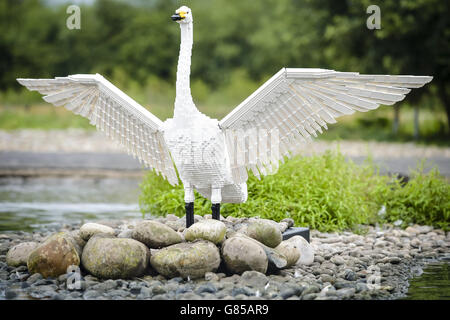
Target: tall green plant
[(325, 192)]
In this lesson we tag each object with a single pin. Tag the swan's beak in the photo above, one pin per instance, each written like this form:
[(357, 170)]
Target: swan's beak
[(176, 17)]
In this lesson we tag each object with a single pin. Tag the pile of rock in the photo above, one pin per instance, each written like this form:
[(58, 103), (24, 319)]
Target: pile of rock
[(166, 247)]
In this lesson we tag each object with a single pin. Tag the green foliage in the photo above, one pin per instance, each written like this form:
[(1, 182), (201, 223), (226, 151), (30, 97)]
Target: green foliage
[(425, 199), (325, 192), (40, 117)]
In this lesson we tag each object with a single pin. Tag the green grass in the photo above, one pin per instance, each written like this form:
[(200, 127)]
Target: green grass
[(40, 117), (324, 192)]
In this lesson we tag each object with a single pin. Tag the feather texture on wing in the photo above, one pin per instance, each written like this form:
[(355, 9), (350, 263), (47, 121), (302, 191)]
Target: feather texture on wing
[(296, 104), (114, 113)]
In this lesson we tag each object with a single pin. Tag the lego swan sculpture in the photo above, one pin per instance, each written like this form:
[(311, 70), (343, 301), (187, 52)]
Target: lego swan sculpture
[(213, 157)]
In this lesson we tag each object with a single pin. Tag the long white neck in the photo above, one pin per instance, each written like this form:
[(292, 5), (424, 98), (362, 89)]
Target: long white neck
[(184, 105)]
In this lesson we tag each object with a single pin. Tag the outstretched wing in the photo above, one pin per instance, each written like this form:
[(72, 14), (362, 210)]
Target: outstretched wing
[(121, 118), (297, 103)]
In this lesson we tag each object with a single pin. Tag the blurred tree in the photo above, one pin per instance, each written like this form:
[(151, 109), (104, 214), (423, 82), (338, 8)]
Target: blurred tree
[(414, 39), (135, 42)]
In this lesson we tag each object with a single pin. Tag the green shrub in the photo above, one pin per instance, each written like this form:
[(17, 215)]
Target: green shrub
[(425, 199), (325, 192)]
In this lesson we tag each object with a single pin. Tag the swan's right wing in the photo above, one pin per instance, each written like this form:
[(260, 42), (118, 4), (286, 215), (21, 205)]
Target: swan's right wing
[(297, 103), (114, 113)]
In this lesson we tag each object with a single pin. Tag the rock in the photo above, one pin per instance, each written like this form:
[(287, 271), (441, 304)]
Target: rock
[(34, 277), (206, 288), (337, 260), (90, 295), (176, 225), (276, 260), (412, 230), (339, 284), (265, 231), (155, 234), (54, 256), (125, 234), (211, 276), (105, 286), (254, 279), (345, 293), (350, 275), (189, 259), (290, 251), (415, 243), (289, 221), (87, 230), (424, 229), (242, 254), (327, 278), (75, 234), (206, 229), (112, 258), (287, 293), (283, 226), (18, 255), (10, 294), (361, 287), (305, 249)]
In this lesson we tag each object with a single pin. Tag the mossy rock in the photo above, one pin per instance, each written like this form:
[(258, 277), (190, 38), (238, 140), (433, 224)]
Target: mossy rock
[(207, 229), (18, 255), (87, 230), (115, 258), (188, 259), (242, 254), (265, 231), (155, 234), (54, 256)]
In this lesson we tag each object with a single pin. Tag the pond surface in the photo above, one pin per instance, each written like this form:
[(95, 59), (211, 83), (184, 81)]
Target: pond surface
[(30, 204), (432, 284)]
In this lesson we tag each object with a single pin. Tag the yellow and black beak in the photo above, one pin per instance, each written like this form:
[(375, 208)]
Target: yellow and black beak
[(178, 16)]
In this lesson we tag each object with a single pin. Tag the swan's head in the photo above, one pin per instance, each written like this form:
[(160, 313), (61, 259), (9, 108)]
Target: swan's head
[(183, 15)]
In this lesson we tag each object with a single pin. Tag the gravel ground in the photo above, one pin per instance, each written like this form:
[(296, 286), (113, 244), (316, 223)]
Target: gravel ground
[(75, 140), (376, 265)]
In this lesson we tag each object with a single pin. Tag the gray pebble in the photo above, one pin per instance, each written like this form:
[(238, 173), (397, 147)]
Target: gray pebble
[(345, 293), (206, 288), (90, 294), (350, 275), (10, 294), (34, 277)]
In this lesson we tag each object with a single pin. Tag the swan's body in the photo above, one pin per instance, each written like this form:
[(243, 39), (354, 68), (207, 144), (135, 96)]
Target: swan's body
[(195, 141), (213, 156)]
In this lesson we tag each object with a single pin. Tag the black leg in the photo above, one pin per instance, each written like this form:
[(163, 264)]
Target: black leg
[(189, 214), (216, 211)]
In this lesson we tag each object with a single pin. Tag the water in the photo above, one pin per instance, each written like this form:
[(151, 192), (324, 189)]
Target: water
[(30, 204), (432, 284)]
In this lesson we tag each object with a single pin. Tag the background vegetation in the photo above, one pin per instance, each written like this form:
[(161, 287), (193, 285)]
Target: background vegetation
[(325, 192), (238, 45)]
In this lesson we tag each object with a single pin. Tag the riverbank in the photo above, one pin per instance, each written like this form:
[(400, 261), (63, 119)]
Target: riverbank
[(374, 265)]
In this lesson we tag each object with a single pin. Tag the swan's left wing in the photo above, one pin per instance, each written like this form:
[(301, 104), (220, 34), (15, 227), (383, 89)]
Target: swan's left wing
[(114, 113), (297, 103)]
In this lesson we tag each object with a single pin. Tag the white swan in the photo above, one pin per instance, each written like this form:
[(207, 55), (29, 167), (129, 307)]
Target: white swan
[(213, 156)]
